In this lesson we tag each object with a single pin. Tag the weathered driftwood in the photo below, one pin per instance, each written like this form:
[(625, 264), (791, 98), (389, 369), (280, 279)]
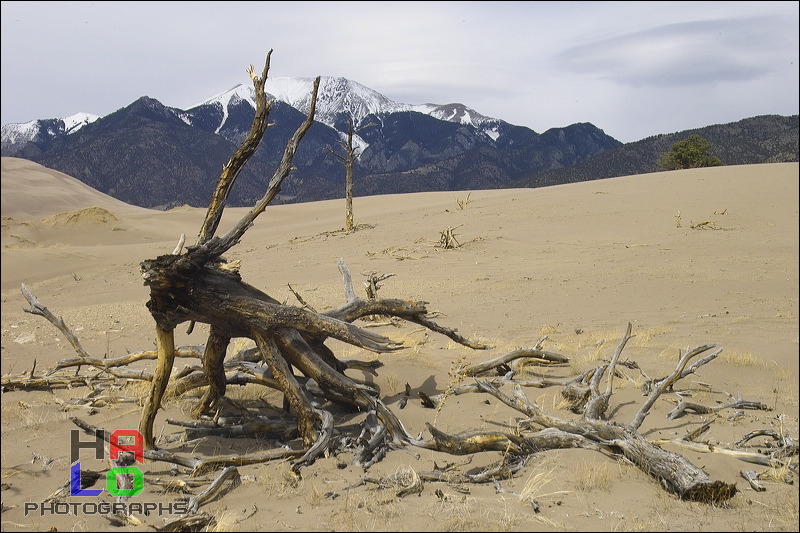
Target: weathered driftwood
[(37, 308), (541, 357), (684, 406), (283, 428), (772, 458), (650, 384), (184, 351), (216, 487), (675, 472), (752, 478), (26, 381)]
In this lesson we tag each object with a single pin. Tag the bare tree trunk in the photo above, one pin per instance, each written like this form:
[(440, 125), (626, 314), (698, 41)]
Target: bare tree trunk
[(348, 193), (348, 159)]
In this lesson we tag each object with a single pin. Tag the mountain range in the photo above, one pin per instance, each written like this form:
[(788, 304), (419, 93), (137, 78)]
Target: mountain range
[(152, 155), (761, 139)]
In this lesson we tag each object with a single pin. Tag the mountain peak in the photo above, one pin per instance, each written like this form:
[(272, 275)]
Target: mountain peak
[(454, 113), (20, 134), (337, 96), (75, 122), (231, 96)]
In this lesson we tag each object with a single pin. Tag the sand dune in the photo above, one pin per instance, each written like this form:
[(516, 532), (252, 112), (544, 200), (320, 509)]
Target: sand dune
[(31, 191), (706, 256)]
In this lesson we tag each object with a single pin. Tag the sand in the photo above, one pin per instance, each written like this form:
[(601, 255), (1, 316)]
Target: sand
[(705, 256)]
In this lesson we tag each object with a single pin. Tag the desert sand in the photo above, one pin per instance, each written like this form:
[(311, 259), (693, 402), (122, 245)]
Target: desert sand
[(705, 256)]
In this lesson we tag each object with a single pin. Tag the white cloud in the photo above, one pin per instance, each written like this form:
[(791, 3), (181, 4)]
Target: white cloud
[(687, 53)]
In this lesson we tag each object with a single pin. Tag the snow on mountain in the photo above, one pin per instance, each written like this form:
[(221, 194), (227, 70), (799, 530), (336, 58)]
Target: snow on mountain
[(27, 131), (224, 99), (338, 95), (454, 113), (75, 122), (20, 133), (232, 95)]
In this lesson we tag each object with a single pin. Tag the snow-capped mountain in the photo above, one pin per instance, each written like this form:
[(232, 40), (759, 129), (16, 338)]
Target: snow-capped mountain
[(43, 130), (337, 96), (152, 155)]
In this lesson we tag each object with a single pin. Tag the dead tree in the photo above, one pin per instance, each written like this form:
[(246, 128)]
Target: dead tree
[(348, 159), (199, 285)]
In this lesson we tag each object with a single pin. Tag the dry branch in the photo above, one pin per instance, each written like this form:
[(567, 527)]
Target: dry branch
[(675, 472), (764, 459), (541, 357), (215, 489), (447, 238), (684, 406), (184, 351), (667, 383), (192, 522), (38, 309), (383, 430)]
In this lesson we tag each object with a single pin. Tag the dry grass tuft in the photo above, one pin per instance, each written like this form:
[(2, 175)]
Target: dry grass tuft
[(372, 512), (394, 385), (224, 520), (594, 476), (534, 488), (455, 376), (31, 416), (739, 358), (282, 484)]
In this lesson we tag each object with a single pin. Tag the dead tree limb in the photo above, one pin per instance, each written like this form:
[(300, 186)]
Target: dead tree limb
[(684, 406), (768, 459), (541, 357), (38, 309), (215, 489), (165, 344), (183, 351), (666, 383), (288, 347), (232, 168), (598, 404), (676, 473)]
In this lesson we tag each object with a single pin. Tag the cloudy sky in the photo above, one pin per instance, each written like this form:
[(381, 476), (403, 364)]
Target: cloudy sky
[(634, 69)]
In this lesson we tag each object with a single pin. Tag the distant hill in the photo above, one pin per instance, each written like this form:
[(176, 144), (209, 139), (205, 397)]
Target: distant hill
[(762, 139)]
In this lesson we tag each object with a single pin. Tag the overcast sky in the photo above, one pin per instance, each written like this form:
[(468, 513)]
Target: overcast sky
[(634, 69)]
